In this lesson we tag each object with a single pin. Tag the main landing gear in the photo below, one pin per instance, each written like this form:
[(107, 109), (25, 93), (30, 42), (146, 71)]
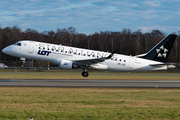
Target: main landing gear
[(85, 73)]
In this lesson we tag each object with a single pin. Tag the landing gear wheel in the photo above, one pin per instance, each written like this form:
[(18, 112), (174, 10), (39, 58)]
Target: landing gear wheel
[(22, 64), (85, 74)]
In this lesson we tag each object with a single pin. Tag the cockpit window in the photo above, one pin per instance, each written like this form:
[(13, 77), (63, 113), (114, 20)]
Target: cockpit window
[(18, 44)]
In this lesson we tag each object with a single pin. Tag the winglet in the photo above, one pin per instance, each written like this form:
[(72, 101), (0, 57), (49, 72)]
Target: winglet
[(111, 54)]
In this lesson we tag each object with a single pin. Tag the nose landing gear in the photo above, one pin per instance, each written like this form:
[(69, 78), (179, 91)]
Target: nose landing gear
[(23, 61)]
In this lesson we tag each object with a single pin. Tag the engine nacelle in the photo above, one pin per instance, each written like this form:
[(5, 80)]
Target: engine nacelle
[(66, 64)]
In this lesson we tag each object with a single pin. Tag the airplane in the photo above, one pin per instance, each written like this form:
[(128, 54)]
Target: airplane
[(72, 57)]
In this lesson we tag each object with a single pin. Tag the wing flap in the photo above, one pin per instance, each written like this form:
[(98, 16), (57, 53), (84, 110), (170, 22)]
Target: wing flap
[(88, 61)]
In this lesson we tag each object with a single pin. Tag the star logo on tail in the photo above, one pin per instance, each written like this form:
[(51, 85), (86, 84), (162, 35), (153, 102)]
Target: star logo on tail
[(162, 52)]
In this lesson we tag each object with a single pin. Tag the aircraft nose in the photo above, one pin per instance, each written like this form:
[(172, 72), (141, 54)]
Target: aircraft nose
[(5, 50)]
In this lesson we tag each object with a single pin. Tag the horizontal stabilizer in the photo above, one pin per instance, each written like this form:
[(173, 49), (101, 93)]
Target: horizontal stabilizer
[(162, 64)]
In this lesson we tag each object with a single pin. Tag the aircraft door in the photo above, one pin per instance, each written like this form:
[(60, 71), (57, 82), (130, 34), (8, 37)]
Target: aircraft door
[(31, 47), (131, 62)]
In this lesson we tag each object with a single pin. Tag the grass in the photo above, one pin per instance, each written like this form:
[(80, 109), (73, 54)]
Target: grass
[(21, 103), (93, 75)]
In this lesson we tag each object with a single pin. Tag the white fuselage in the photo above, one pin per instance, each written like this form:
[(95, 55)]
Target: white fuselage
[(55, 53)]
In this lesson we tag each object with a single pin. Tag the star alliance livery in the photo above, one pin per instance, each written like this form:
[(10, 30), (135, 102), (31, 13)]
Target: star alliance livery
[(71, 57)]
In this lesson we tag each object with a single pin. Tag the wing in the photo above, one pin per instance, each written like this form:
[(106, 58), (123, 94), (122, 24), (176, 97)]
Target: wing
[(87, 62)]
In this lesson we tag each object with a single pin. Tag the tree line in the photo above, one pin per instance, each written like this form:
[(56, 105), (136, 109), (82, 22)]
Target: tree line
[(124, 41)]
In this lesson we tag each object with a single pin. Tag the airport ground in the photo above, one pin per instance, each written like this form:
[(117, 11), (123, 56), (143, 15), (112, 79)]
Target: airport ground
[(54, 103)]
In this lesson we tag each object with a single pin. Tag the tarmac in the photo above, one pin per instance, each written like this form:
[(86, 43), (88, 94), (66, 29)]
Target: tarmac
[(90, 83)]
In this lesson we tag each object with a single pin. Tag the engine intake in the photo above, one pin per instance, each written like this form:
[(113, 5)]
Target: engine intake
[(66, 64)]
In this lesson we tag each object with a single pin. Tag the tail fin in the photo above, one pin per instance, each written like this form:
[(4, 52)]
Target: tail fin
[(161, 51)]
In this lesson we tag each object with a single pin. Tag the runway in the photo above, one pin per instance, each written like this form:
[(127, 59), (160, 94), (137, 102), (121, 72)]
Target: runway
[(90, 83)]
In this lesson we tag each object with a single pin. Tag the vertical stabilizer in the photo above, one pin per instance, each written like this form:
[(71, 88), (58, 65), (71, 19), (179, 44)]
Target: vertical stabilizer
[(161, 51)]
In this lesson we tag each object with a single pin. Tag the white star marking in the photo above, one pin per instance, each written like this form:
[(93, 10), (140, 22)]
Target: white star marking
[(160, 50)]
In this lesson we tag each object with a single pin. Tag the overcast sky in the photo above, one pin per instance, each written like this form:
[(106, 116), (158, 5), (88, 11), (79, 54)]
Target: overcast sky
[(90, 16)]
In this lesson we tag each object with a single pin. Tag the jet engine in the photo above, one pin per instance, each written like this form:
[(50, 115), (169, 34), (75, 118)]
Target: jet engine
[(66, 64)]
